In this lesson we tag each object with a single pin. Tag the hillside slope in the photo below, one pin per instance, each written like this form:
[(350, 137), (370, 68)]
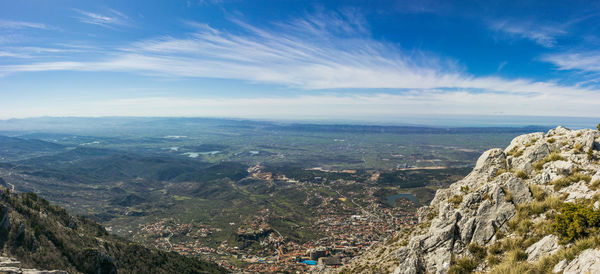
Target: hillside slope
[(531, 208), (44, 236)]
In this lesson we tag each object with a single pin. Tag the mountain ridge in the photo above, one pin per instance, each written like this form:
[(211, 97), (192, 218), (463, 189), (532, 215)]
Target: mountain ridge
[(533, 207)]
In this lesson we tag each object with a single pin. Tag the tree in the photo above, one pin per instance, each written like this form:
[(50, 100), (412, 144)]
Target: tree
[(598, 126)]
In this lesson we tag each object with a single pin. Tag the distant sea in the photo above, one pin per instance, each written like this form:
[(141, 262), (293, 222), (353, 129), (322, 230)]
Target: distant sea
[(468, 121), (444, 121)]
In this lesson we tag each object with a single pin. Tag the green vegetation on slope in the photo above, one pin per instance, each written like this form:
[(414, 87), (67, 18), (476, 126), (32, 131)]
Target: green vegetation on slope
[(45, 236)]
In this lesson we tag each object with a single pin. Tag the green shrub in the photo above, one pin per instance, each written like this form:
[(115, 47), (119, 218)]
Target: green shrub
[(598, 127), (590, 154), (551, 140), (575, 221)]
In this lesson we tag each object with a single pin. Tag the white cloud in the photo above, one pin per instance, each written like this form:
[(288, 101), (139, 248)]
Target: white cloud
[(543, 34), (111, 19), (30, 52), (588, 61), (320, 52), (7, 24), (309, 53)]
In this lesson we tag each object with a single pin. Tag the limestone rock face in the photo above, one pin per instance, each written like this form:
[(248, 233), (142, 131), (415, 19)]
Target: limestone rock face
[(484, 209), (544, 247), (576, 191), (586, 262), (562, 164)]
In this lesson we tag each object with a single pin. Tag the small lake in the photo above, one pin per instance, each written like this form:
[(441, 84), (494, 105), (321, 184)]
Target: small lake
[(392, 198)]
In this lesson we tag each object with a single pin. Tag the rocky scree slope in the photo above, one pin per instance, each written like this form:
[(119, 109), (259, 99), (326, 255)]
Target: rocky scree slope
[(531, 208)]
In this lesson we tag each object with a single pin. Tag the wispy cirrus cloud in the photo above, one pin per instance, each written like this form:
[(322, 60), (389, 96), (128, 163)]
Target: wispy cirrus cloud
[(8, 24), (586, 64), (588, 61), (324, 52), (110, 19), (542, 34)]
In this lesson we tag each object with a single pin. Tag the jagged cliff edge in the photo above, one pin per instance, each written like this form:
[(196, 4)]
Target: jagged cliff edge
[(504, 217)]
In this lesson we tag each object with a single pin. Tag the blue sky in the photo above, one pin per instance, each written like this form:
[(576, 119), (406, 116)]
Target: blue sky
[(351, 60)]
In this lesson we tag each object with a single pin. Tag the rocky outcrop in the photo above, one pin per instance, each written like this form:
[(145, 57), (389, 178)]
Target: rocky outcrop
[(586, 262), (472, 210), (12, 266), (544, 247), (559, 166)]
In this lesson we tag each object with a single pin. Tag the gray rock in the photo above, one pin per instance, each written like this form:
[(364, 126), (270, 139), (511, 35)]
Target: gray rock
[(586, 262), (576, 191), (410, 263), (518, 189), (560, 130), (544, 247), (10, 265), (489, 163), (491, 216), (560, 266), (530, 156), (558, 168)]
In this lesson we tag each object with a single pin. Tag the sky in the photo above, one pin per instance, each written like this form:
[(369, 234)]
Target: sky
[(300, 60)]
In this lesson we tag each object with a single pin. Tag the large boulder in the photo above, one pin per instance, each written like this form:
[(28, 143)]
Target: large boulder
[(544, 247)]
